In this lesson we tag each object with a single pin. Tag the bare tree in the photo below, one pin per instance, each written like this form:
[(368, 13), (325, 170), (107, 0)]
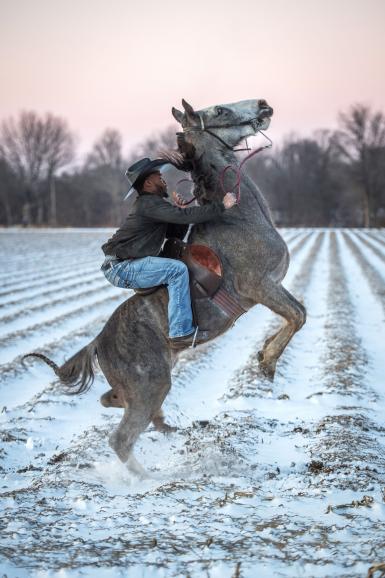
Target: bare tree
[(36, 148), (300, 180), (165, 139), (107, 151), (362, 141)]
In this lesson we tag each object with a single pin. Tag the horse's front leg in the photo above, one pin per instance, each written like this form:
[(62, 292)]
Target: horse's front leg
[(278, 299)]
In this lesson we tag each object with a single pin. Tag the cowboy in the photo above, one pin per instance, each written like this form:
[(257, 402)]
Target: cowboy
[(132, 253)]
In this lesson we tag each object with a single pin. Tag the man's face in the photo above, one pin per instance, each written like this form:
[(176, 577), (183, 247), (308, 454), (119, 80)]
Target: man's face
[(155, 183)]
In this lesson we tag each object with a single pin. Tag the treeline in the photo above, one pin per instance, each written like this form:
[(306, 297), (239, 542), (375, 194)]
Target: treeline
[(333, 178)]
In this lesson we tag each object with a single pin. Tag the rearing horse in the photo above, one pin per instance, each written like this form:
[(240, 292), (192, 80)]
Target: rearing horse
[(132, 349)]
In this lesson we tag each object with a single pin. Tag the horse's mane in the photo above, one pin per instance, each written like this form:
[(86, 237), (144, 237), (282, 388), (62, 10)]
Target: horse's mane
[(183, 157)]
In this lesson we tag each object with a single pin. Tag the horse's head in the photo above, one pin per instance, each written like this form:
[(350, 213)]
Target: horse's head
[(230, 123)]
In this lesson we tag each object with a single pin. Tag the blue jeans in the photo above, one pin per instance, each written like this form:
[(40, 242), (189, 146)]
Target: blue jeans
[(151, 271)]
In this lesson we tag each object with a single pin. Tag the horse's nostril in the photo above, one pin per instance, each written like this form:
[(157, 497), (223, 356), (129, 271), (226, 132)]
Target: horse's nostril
[(262, 103)]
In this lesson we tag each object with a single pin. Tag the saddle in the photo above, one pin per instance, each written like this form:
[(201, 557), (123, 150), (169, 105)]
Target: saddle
[(206, 275)]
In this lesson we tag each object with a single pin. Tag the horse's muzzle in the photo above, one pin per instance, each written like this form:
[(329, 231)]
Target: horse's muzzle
[(265, 112)]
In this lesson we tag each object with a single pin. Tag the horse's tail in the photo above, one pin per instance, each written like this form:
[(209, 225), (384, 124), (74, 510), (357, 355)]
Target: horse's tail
[(77, 372)]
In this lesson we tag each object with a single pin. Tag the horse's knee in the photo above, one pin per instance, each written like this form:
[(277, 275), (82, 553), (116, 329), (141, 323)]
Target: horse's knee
[(304, 315), (299, 316)]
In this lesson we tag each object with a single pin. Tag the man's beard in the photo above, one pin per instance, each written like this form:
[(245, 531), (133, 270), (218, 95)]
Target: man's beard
[(161, 191)]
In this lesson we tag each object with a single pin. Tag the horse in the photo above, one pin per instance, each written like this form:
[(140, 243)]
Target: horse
[(133, 350)]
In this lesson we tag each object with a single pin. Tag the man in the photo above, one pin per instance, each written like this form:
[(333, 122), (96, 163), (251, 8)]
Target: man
[(132, 253)]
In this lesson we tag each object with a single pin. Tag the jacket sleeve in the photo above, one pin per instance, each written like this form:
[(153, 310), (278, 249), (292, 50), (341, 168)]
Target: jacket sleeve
[(162, 211)]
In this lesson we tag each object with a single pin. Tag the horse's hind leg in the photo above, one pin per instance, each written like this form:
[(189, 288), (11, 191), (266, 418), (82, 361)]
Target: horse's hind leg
[(278, 299), (138, 413), (122, 440), (112, 398)]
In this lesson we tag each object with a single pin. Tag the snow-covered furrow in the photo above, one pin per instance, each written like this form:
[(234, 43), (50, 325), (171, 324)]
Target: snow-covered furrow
[(248, 381), (286, 482), (46, 313), (23, 282), (24, 317), (38, 296), (30, 258), (371, 266), (373, 246), (345, 360), (41, 265), (39, 335), (352, 423), (377, 237), (24, 381), (35, 252)]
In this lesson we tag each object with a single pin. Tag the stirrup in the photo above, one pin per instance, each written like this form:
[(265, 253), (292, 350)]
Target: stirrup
[(195, 337)]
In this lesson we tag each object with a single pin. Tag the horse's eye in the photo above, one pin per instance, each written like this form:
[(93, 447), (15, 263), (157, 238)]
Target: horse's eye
[(219, 110)]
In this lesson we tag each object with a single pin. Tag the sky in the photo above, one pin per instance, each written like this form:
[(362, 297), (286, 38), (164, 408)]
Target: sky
[(123, 64)]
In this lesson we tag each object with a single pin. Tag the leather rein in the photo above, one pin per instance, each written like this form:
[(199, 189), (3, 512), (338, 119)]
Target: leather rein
[(255, 122)]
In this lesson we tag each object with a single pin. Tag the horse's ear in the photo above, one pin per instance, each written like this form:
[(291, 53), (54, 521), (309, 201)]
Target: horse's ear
[(190, 112), (177, 114)]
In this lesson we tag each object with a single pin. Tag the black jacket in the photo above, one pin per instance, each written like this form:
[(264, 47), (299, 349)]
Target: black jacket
[(152, 220)]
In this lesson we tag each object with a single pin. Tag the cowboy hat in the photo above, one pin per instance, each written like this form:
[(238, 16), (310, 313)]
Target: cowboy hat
[(140, 169)]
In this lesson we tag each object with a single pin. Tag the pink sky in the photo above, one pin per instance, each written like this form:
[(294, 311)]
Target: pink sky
[(124, 63)]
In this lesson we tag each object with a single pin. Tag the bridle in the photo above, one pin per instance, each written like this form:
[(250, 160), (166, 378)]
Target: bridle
[(255, 123)]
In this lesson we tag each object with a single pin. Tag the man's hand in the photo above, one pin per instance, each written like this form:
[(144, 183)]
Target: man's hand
[(178, 199), (229, 200)]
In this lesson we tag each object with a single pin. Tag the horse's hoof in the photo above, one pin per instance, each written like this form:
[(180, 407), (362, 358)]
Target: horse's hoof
[(136, 469), (162, 426), (267, 370)]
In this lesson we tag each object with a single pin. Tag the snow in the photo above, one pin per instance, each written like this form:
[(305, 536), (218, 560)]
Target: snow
[(260, 479)]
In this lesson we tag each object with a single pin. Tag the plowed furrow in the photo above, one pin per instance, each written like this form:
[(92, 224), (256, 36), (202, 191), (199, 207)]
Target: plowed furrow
[(351, 434), (62, 346), (345, 360), (375, 279), (37, 335), (50, 279), (47, 309), (31, 297), (249, 381), (372, 246), (379, 238), (43, 263)]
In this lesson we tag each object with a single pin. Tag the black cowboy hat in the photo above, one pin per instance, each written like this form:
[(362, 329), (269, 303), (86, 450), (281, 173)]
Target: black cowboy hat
[(142, 169)]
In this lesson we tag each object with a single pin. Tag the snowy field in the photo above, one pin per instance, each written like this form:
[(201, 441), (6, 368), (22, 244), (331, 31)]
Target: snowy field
[(260, 480)]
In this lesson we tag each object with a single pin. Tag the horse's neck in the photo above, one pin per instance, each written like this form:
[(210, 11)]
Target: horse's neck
[(247, 221)]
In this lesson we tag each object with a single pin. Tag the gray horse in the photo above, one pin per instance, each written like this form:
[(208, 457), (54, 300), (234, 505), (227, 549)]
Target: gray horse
[(132, 349)]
